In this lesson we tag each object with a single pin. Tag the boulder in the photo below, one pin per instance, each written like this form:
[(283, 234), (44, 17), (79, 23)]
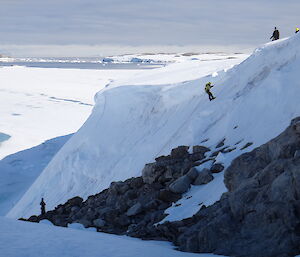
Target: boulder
[(180, 152), (136, 182), (203, 177), (216, 168), (200, 149), (180, 185), (151, 172), (134, 210), (118, 187), (197, 156), (192, 174), (168, 196)]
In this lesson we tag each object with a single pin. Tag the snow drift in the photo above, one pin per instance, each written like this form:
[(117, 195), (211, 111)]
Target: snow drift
[(23, 239), (131, 125)]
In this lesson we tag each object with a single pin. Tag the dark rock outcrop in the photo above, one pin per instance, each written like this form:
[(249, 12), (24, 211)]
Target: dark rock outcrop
[(133, 206), (260, 215)]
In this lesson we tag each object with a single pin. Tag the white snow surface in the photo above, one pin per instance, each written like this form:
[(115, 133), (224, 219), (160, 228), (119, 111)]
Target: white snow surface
[(24, 239), (134, 122), (39, 104)]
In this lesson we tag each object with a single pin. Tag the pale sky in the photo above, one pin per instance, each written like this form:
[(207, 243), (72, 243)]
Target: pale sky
[(37, 26)]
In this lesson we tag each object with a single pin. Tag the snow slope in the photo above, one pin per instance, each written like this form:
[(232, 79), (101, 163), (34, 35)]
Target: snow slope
[(19, 170), (24, 239), (131, 125)]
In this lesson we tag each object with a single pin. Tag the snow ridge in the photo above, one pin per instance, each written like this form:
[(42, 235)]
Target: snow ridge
[(132, 124)]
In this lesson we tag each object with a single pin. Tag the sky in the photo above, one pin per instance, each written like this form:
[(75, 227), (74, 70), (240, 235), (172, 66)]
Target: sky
[(95, 27)]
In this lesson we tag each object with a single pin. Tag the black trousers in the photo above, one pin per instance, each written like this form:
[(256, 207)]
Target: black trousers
[(210, 95)]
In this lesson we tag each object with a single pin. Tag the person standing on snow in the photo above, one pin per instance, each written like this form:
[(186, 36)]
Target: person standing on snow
[(297, 30), (275, 35), (43, 207), (208, 87)]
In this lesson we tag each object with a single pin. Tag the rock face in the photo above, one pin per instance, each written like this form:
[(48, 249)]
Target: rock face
[(260, 215)]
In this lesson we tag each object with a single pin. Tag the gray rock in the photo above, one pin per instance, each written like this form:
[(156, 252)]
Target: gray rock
[(99, 223), (134, 210), (136, 182), (216, 168), (203, 177), (196, 156), (165, 160), (150, 173), (181, 185), (168, 196), (192, 174), (118, 187), (200, 149), (130, 194), (180, 152)]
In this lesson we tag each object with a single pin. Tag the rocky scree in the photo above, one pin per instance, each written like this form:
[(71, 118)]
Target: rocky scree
[(132, 207)]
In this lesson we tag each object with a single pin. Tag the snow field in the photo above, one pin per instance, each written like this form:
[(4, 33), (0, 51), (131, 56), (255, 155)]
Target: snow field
[(39, 104), (24, 239)]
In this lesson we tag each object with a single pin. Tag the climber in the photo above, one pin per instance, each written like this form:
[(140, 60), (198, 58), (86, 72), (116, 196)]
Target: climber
[(43, 205), (297, 30), (208, 87), (275, 35)]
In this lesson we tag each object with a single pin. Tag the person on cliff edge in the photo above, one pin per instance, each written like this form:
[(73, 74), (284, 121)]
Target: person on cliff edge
[(208, 87), (275, 35), (43, 207)]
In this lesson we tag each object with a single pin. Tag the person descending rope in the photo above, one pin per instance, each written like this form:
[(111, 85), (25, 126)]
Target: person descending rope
[(43, 208), (208, 87), (297, 30), (275, 35)]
